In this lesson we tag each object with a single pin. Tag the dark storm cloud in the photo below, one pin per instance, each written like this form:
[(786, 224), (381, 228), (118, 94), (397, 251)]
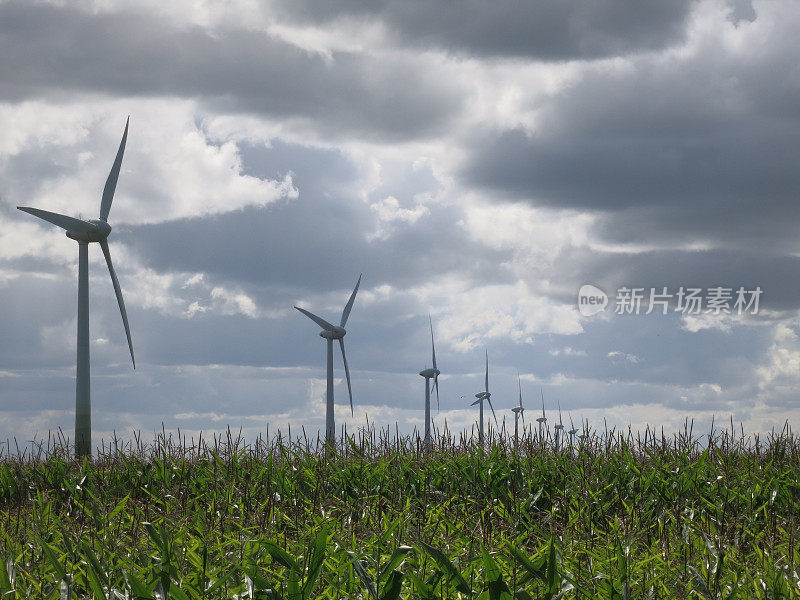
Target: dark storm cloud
[(777, 275), (701, 148), (741, 10), (564, 30), (37, 304), (48, 50), (764, 227), (666, 354)]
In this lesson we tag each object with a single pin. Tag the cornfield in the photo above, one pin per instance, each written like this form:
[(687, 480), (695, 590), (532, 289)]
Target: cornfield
[(618, 515)]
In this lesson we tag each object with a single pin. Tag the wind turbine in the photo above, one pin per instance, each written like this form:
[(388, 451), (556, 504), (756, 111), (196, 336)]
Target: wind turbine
[(330, 333), (481, 396), (428, 374), (559, 427), (582, 437), (542, 420), (572, 430), (518, 411), (85, 232)]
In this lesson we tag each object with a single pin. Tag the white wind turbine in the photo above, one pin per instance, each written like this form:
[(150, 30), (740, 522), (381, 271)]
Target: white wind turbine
[(584, 436), (518, 411), (481, 396), (559, 427), (330, 333), (85, 232), (428, 374), (572, 430), (542, 420)]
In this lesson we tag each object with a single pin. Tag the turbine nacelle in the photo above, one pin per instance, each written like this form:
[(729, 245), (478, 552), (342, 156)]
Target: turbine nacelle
[(429, 373), (559, 427), (98, 231), (517, 409), (336, 333), (482, 396), (541, 420)]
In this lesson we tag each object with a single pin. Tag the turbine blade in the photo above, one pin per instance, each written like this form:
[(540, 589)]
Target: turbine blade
[(492, 407), (487, 372), (436, 385), (111, 182), (519, 381), (118, 292), (476, 401), (347, 374), (318, 320), (69, 223), (349, 306), (433, 346), (544, 415)]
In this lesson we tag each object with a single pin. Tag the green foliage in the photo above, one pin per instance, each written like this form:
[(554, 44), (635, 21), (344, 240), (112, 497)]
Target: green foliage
[(615, 518)]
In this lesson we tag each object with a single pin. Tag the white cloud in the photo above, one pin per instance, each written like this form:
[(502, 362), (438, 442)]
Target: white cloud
[(389, 210), (780, 373), (247, 14), (232, 302), (35, 124), (566, 351), (172, 169), (537, 236), (617, 356), (513, 312)]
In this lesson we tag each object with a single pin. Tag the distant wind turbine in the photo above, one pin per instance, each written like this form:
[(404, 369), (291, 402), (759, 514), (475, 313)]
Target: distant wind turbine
[(559, 427), (542, 420), (582, 437), (330, 333), (481, 396), (518, 411), (428, 374), (85, 232), (572, 430)]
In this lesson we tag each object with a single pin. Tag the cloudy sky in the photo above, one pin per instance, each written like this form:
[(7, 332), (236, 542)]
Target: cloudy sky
[(479, 164)]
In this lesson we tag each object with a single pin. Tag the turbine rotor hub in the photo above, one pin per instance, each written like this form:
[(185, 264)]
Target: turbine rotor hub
[(428, 373), (336, 333), (99, 232)]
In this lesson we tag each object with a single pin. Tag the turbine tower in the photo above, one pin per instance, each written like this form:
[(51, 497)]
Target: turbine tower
[(542, 420), (330, 333), (86, 232), (518, 411), (428, 374), (481, 396)]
